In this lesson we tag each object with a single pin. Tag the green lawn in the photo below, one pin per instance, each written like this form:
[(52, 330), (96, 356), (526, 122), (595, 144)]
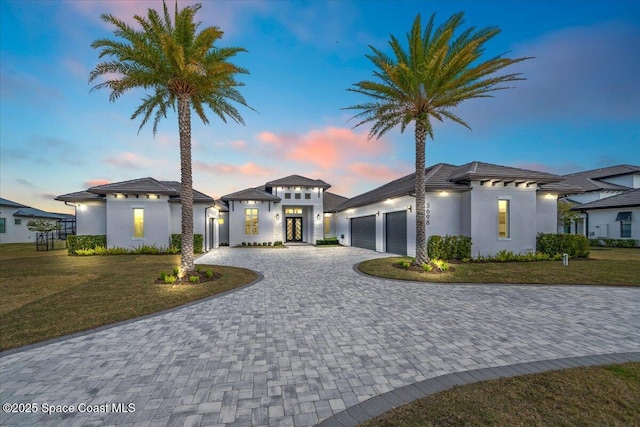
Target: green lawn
[(595, 396), (607, 266), (51, 294)]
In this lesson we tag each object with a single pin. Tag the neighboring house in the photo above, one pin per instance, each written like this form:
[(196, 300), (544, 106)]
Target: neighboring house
[(289, 209), (499, 207), (140, 212), (594, 185), (616, 217), (14, 218)]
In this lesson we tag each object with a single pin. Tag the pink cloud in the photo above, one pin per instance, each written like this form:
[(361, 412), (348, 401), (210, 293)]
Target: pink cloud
[(131, 160), (325, 148), (376, 173), (96, 182), (230, 170), (238, 145)]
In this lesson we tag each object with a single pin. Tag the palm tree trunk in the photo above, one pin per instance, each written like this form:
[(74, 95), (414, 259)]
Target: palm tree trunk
[(186, 187), (421, 228)]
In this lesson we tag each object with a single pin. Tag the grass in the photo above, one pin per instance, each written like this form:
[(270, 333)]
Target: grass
[(607, 266), (50, 294), (594, 396)]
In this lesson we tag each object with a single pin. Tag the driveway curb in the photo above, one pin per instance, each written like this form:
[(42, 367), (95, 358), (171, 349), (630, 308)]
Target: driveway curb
[(382, 403)]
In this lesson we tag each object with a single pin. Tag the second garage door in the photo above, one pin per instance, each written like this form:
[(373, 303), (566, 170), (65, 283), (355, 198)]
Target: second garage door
[(363, 232), (396, 232)]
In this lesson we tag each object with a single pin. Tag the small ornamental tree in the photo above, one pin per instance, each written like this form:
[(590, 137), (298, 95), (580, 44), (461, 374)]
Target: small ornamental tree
[(42, 226)]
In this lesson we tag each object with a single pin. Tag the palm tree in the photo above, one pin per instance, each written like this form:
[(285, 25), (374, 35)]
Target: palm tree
[(178, 65), (438, 72)]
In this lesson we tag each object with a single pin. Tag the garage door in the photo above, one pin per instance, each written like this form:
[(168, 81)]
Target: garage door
[(396, 232), (363, 232)]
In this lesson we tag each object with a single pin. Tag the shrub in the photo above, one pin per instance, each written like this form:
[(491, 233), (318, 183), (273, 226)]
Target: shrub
[(327, 241), (268, 243), (441, 264), (449, 247), (264, 243), (163, 275), (85, 252), (170, 279), (176, 270), (75, 242), (243, 244), (101, 250), (194, 279), (613, 243), (277, 243), (427, 267), (176, 242), (505, 255), (573, 244), (406, 264), (209, 274)]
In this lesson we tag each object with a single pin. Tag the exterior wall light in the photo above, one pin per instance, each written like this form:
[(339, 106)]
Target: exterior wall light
[(378, 213), (409, 208), (318, 217), (277, 216)]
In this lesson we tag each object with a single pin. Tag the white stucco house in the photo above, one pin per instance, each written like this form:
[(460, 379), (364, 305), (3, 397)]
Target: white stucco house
[(615, 217), (140, 212), (14, 218), (499, 207), (290, 209), (594, 186)]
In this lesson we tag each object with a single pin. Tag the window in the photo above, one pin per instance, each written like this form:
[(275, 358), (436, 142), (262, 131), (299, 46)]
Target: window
[(294, 211), (307, 196), (138, 223), (17, 221), (327, 225), (287, 195), (625, 223), (2, 225), (503, 219), (251, 222), (298, 195)]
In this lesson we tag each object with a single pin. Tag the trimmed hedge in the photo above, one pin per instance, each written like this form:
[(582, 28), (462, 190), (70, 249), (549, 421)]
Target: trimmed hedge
[(573, 244), (327, 241), (176, 242), (449, 247), (84, 242), (613, 243)]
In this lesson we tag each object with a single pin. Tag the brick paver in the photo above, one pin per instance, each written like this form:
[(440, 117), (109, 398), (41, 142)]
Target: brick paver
[(314, 339)]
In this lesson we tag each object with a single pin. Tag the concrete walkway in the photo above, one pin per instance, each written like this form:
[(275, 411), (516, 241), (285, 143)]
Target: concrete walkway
[(311, 340)]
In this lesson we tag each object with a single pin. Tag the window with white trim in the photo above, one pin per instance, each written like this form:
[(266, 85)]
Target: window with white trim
[(251, 222), (503, 219), (138, 223)]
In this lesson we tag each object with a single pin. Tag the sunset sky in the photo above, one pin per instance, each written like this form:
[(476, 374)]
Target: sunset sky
[(578, 109)]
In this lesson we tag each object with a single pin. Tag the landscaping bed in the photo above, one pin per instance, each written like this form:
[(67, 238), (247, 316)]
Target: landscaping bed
[(607, 266)]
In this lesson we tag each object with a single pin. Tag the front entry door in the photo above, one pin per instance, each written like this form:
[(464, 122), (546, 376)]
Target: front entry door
[(294, 229)]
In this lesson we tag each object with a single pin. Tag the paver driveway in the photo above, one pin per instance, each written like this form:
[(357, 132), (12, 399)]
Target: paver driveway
[(311, 339)]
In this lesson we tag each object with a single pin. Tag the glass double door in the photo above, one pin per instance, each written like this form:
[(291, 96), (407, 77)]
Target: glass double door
[(294, 229)]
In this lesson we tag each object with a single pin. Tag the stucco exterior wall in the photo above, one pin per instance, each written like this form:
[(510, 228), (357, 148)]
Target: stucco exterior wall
[(484, 219), (602, 223), (629, 180), (546, 213), (15, 233), (91, 218), (592, 196), (266, 220), (120, 222)]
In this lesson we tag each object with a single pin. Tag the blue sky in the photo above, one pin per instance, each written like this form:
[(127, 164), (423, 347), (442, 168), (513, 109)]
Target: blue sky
[(578, 109)]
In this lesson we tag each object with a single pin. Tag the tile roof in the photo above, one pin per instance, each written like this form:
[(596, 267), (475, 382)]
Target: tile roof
[(446, 177), (479, 171), (560, 188), (146, 185), (297, 181), (630, 198), (251, 194), (590, 180), (79, 196), (331, 201)]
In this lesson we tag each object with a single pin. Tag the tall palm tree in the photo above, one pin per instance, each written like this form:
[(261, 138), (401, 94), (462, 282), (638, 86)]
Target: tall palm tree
[(440, 70), (178, 65)]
